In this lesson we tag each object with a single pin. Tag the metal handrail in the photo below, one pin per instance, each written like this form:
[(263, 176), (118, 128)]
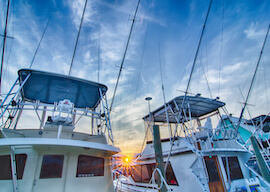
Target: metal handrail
[(163, 181)]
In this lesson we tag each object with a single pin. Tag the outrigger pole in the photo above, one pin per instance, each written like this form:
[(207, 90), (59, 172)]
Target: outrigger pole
[(190, 76), (39, 43), (124, 56), (260, 159), (77, 38), (4, 44), (196, 55), (245, 104)]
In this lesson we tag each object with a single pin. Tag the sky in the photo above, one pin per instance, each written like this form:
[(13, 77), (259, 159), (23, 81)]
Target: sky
[(161, 51)]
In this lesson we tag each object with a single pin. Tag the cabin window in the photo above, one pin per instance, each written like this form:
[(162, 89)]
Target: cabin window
[(234, 168), (266, 128), (52, 166), (170, 177), (89, 166), (137, 173), (5, 166), (143, 173), (212, 169)]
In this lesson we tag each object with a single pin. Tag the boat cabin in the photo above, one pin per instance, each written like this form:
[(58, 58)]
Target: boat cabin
[(55, 135)]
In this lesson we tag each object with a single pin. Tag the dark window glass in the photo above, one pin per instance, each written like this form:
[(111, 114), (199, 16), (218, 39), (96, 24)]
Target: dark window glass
[(170, 177), (146, 175), (89, 166), (52, 166), (212, 170), (5, 166), (266, 128), (143, 173), (234, 168), (136, 173)]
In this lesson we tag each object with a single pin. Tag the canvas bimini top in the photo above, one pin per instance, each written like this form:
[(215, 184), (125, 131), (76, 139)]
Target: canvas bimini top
[(50, 87), (199, 106)]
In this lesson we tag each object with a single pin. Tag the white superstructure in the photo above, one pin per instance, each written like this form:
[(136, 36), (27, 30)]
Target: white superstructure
[(197, 156), (53, 156)]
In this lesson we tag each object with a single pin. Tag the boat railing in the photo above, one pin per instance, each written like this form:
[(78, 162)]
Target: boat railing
[(265, 153), (14, 103), (152, 181), (258, 175), (43, 107), (209, 144)]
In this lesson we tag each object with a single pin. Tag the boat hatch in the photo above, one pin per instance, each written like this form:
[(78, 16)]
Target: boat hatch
[(199, 106), (49, 87)]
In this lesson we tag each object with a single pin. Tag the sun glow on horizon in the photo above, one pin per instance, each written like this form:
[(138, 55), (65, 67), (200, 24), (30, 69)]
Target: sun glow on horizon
[(127, 160), (124, 164)]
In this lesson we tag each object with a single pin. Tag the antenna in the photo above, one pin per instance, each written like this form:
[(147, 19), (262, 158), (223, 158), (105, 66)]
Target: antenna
[(148, 99), (164, 98)]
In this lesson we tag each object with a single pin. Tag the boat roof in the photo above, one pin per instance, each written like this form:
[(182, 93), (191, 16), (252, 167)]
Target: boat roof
[(259, 119), (51, 87), (199, 106)]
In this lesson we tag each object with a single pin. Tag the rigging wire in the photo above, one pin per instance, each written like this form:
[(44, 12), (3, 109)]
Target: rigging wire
[(124, 56), (164, 98), (7, 78), (39, 43), (77, 38), (139, 75), (138, 80), (98, 57), (208, 86), (221, 46), (265, 86)]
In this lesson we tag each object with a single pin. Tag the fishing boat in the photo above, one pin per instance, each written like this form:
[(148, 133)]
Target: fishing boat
[(197, 157), (55, 135), (258, 128), (257, 125)]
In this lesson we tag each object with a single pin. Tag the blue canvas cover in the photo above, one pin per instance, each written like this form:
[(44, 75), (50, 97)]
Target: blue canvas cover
[(50, 87)]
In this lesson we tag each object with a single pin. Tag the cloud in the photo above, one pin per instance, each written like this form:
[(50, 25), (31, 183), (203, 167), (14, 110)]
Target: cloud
[(254, 33), (77, 11)]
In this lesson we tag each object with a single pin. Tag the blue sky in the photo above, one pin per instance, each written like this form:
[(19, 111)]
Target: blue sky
[(166, 34)]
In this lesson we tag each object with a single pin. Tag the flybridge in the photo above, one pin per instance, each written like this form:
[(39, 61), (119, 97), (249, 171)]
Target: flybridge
[(198, 106), (59, 98), (50, 87)]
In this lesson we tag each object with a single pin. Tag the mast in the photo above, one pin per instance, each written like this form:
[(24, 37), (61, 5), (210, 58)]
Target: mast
[(124, 56), (4, 44), (251, 85)]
